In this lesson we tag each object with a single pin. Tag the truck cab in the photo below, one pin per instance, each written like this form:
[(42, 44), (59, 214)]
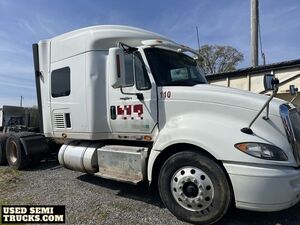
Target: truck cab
[(132, 105)]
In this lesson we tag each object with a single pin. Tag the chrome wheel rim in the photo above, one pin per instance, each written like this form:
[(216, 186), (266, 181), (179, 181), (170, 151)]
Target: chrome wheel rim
[(13, 153), (192, 188)]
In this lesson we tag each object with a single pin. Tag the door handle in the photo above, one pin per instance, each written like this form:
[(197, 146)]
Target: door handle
[(113, 114)]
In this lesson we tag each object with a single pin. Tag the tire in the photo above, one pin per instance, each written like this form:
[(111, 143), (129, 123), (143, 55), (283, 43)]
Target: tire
[(3, 160), (194, 188), (15, 153)]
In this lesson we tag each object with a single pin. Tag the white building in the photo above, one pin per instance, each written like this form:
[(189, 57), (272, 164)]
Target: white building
[(251, 78)]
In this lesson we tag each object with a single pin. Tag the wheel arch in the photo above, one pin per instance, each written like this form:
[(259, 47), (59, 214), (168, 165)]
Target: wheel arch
[(179, 147)]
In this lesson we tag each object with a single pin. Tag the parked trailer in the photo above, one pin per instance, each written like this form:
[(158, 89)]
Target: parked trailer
[(132, 106)]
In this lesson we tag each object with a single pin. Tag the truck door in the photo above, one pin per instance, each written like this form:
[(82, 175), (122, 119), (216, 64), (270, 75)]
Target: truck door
[(128, 114)]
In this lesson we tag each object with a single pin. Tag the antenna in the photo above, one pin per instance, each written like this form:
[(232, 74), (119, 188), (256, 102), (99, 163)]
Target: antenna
[(198, 39)]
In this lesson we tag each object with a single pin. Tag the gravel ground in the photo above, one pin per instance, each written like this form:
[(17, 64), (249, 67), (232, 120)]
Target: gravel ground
[(92, 200)]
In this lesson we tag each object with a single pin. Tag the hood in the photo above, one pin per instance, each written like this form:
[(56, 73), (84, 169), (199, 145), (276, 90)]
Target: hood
[(224, 95)]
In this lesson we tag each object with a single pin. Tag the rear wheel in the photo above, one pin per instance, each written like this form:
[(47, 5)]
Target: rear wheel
[(194, 188), (3, 160), (15, 153)]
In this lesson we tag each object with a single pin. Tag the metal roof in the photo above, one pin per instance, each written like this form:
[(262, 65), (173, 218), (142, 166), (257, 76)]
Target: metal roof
[(250, 70)]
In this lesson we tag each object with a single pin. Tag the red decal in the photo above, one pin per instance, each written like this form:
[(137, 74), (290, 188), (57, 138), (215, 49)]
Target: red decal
[(128, 109), (120, 111), (138, 109)]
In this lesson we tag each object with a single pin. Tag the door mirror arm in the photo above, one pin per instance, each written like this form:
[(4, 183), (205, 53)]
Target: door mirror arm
[(127, 48), (271, 83), (139, 96)]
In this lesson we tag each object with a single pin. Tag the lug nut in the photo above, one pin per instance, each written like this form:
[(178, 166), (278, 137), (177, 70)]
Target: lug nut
[(200, 198)]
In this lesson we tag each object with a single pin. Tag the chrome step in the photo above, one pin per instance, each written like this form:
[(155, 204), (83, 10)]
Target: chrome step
[(122, 163)]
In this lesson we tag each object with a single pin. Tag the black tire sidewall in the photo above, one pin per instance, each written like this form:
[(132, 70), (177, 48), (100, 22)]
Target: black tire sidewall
[(3, 160), (222, 191), (22, 159)]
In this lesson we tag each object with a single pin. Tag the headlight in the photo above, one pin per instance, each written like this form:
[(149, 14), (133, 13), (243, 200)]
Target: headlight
[(262, 151)]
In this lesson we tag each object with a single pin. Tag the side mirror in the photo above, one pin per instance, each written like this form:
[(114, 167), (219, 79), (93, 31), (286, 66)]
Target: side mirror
[(270, 82), (116, 67), (293, 90)]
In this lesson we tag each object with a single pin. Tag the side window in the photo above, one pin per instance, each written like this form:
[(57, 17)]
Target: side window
[(129, 76), (61, 82), (141, 76), (179, 74)]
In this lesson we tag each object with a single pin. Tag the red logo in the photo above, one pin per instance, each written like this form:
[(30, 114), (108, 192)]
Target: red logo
[(130, 111)]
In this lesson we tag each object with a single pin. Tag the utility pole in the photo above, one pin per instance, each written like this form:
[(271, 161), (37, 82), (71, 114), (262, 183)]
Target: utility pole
[(198, 39), (21, 101), (254, 32)]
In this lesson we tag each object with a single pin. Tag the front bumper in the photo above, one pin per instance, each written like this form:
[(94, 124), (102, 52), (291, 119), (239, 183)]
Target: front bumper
[(261, 188)]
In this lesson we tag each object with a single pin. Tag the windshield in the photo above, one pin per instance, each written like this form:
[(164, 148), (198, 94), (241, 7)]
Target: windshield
[(171, 68)]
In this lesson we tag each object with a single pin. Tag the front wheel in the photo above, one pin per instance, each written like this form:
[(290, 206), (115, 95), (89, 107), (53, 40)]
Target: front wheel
[(194, 188)]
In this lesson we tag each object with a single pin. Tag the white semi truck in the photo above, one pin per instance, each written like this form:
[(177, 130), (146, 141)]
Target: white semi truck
[(131, 105)]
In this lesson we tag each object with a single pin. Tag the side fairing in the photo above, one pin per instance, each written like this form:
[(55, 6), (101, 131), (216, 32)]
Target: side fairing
[(44, 68)]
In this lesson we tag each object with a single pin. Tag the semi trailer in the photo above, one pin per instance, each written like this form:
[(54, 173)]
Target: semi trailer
[(131, 105)]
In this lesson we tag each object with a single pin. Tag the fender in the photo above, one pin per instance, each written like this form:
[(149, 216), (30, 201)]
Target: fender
[(212, 133)]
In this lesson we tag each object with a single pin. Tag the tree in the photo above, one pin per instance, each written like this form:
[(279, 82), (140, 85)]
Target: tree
[(218, 59)]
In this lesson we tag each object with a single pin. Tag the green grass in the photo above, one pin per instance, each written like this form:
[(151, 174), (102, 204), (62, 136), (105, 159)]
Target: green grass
[(121, 206), (8, 170), (103, 215), (9, 176), (5, 202), (8, 179)]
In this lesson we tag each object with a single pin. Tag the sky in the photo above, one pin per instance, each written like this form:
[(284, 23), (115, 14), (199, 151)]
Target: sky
[(221, 22)]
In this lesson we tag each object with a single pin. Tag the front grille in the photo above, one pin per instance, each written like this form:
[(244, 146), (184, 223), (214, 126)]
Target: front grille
[(295, 121), (291, 122)]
